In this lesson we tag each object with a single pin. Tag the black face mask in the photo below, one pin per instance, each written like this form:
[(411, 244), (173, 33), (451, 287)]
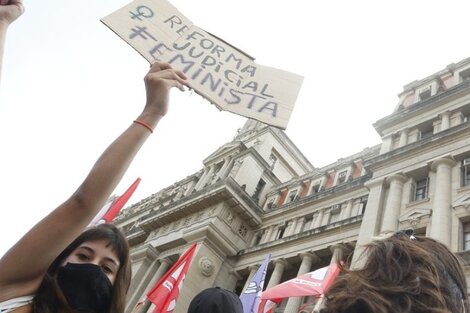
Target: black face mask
[(86, 287)]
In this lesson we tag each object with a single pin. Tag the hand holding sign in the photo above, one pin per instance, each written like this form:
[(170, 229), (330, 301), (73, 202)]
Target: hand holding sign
[(160, 78), (219, 72), (10, 10)]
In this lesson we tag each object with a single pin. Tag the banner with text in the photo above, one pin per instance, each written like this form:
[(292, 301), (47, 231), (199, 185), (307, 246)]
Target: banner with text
[(218, 71)]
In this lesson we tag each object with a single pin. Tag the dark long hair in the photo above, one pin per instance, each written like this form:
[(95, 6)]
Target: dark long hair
[(402, 275), (49, 298)]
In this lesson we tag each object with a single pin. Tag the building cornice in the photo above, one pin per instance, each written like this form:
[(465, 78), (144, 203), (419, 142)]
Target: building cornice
[(417, 108), (224, 190), (417, 147)]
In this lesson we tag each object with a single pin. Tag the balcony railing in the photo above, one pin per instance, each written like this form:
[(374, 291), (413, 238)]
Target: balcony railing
[(305, 233)]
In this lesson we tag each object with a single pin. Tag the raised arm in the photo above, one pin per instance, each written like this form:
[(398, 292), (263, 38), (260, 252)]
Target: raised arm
[(10, 10), (23, 266)]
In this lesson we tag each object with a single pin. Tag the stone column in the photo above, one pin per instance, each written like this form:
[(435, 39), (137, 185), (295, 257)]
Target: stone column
[(201, 179), (326, 216), (441, 212), (445, 120), (189, 188), (338, 252), (254, 239), (312, 223), (293, 303), (268, 234), (162, 269), (147, 255), (371, 219), (276, 231), (228, 169), (288, 229), (223, 171), (209, 177), (319, 218), (403, 137), (337, 255), (300, 224), (181, 192), (253, 269), (393, 205), (279, 266), (347, 211), (293, 227), (232, 280)]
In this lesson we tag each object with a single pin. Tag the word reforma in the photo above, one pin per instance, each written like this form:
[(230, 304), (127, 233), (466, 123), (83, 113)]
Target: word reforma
[(212, 66)]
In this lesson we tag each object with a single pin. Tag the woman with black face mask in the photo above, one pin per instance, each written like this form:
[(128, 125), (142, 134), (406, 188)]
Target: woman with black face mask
[(59, 268)]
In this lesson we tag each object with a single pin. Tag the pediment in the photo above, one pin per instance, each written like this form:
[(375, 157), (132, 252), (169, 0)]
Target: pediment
[(462, 200), (222, 150), (415, 215)]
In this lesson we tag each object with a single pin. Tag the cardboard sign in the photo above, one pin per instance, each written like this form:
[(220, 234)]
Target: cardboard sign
[(218, 71)]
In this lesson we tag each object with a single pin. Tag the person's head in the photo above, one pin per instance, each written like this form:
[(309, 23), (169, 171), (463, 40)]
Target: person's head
[(215, 300), (402, 274), (97, 259)]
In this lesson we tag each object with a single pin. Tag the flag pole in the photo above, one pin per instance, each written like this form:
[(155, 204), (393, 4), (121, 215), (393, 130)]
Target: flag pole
[(144, 307), (166, 291)]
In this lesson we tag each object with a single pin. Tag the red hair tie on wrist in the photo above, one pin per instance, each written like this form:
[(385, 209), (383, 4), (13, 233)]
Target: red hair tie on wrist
[(144, 124)]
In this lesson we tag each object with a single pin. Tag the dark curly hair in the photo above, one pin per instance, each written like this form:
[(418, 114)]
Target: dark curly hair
[(401, 275)]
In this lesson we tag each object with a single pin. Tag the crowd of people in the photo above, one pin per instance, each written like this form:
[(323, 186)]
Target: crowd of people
[(88, 269)]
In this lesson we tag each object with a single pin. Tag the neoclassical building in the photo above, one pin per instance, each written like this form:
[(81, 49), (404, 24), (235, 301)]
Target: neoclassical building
[(258, 194)]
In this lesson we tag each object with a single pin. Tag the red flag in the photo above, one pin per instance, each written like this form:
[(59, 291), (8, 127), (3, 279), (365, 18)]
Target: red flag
[(267, 306), (314, 284), (99, 217), (166, 291), (307, 307), (119, 203)]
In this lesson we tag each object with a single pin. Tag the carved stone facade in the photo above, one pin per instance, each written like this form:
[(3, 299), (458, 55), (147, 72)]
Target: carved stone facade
[(258, 194)]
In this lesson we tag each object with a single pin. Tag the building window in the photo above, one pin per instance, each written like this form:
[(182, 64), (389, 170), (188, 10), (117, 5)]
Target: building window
[(272, 160), (465, 75), (425, 94), (466, 172), (242, 231), (315, 189), (341, 177), (362, 204), (425, 134), (257, 239), (280, 232), (292, 196), (271, 204), (466, 236), (258, 190), (421, 189)]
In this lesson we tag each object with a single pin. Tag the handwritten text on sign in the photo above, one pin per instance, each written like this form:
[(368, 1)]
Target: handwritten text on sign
[(218, 71)]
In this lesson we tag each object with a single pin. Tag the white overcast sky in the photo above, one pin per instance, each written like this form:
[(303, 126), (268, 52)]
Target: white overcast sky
[(70, 86)]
